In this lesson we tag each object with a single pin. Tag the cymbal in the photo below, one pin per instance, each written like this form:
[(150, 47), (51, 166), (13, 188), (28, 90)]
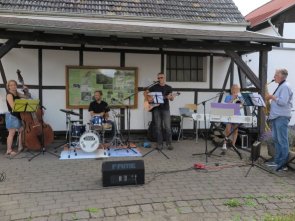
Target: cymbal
[(69, 112)]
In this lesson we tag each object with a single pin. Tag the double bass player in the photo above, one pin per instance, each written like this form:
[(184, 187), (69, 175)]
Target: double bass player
[(13, 119)]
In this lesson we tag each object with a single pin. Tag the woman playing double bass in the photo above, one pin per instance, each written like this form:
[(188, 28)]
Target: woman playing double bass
[(13, 119)]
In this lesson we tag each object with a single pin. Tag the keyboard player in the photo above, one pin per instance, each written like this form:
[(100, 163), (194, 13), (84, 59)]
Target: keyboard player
[(230, 128)]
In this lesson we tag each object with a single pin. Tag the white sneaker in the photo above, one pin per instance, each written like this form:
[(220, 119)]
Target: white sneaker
[(224, 147)]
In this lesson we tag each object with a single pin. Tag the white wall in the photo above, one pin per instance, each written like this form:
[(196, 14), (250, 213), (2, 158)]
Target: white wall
[(3, 106), (26, 60), (289, 32), (268, 31), (54, 63)]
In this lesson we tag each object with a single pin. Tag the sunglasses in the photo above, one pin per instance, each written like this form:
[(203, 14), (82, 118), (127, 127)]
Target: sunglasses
[(160, 77)]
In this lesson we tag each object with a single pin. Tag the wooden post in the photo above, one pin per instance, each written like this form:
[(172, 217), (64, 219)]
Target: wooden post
[(263, 56)]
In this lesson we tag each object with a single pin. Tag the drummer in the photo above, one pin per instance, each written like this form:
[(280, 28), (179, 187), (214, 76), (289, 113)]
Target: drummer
[(98, 107)]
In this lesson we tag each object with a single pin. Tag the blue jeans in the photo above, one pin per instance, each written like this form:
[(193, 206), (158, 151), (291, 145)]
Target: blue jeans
[(280, 137), (162, 118)]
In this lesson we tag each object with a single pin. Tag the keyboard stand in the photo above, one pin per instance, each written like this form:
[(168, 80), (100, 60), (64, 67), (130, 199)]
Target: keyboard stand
[(228, 142)]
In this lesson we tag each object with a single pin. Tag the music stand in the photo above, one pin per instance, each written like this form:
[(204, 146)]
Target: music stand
[(158, 99), (256, 100), (24, 105)]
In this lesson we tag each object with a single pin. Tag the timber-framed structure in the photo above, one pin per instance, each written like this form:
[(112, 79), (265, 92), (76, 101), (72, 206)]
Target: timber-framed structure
[(25, 27)]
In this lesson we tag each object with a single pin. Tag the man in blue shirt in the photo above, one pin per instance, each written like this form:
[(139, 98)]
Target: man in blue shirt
[(280, 115)]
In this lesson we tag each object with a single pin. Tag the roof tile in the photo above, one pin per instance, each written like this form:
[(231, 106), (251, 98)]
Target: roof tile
[(190, 10)]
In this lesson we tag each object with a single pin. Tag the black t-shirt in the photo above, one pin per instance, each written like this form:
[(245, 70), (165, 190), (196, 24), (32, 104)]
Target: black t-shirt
[(16, 114), (98, 107), (166, 89)]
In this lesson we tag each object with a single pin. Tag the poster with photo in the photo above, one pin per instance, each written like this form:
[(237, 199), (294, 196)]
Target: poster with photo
[(118, 84)]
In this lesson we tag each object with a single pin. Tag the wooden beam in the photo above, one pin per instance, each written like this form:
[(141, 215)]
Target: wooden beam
[(119, 50), (242, 80), (81, 63), (3, 75), (7, 46), (263, 81), (4, 49), (162, 61), (244, 67), (134, 42), (122, 110), (229, 71), (211, 72), (40, 74)]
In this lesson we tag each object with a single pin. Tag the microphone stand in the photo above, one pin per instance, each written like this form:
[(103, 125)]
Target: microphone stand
[(206, 132), (128, 121)]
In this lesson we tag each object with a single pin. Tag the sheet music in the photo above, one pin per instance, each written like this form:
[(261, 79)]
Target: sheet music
[(257, 100), (157, 97)]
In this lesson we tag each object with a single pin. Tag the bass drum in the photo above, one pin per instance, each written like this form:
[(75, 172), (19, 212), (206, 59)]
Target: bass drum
[(89, 141)]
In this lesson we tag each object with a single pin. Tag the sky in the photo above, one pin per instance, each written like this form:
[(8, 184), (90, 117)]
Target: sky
[(246, 6)]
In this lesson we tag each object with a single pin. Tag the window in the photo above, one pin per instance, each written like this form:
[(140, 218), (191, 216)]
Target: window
[(185, 68)]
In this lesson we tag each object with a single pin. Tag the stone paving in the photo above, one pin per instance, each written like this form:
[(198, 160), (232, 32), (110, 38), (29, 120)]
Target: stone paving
[(50, 189)]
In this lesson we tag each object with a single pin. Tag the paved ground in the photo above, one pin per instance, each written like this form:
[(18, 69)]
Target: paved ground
[(51, 189)]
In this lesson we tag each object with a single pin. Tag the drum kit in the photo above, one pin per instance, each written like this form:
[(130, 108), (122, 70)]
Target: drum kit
[(89, 140)]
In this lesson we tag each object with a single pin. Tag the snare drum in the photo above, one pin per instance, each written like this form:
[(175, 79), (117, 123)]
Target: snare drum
[(89, 141), (78, 130), (97, 120)]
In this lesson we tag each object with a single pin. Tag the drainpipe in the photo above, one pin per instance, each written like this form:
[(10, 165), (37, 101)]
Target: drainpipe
[(273, 27)]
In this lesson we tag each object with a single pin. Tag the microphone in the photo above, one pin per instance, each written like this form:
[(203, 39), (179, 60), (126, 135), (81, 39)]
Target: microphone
[(156, 82)]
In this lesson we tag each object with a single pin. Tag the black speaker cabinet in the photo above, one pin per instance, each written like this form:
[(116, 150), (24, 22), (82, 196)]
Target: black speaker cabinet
[(119, 173)]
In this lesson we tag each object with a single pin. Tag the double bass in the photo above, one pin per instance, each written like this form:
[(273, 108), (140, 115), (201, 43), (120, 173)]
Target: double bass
[(36, 133)]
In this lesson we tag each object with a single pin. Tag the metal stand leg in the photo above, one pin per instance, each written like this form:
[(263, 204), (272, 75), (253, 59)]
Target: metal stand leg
[(68, 132), (117, 141), (180, 134), (159, 150), (254, 164), (229, 142), (196, 127)]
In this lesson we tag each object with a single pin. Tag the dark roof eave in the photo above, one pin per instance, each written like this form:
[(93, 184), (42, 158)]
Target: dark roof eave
[(92, 29)]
